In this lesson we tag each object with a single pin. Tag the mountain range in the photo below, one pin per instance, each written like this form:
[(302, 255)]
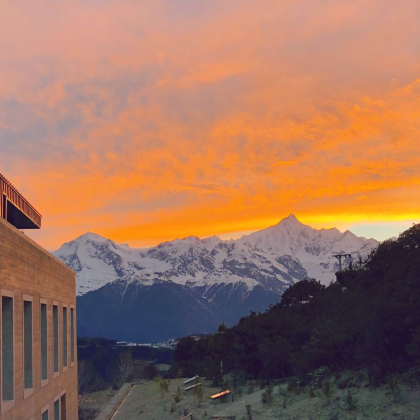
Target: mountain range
[(192, 285)]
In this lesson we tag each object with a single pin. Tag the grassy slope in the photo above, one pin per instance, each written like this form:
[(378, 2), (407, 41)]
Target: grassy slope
[(145, 401)]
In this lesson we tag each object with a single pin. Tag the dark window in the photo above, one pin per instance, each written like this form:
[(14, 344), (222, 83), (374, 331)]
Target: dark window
[(72, 333), (44, 342), (63, 407), (7, 348), (45, 415), (55, 341), (64, 336), (27, 344), (57, 410)]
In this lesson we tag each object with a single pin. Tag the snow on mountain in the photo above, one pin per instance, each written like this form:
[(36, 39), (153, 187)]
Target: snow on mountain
[(273, 258)]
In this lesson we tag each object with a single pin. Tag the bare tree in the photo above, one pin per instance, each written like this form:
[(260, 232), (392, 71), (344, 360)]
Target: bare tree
[(88, 380), (248, 412), (124, 367), (200, 395)]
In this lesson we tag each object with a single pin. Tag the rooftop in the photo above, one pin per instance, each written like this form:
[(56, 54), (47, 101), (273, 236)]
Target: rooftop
[(15, 208)]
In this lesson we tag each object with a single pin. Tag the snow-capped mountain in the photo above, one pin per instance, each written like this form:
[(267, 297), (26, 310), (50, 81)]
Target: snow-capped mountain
[(272, 258), (192, 285)]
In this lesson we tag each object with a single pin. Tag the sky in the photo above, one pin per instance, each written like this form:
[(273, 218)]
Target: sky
[(147, 121)]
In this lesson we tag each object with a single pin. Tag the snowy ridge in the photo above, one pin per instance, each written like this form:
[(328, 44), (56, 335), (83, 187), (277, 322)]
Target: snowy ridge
[(273, 258)]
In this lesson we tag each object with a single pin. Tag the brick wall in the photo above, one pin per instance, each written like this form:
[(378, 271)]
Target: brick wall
[(29, 272)]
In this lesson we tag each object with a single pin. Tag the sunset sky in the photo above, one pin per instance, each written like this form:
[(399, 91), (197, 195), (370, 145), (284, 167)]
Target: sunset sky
[(144, 121)]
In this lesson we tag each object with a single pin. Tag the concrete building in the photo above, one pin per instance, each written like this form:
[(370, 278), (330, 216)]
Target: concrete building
[(38, 360)]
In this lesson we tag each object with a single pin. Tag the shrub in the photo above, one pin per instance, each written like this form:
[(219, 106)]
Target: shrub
[(318, 376), (311, 392), (264, 397), (327, 390), (86, 413), (283, 393), (350, 402), (342, 384), (248, 412), (267, 395), (360, 377), (293, 384), (164, 386), (394, 386), (269, 391), (376, 377), (178, 396)]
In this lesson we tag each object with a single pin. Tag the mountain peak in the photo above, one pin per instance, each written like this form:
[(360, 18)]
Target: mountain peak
[(290, 219), (91, 236)]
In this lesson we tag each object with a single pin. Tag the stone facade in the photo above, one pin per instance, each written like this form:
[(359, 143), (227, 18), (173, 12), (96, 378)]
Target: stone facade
[(30, 274)]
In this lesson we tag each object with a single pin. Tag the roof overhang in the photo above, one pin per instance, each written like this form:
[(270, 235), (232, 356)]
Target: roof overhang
[(15, 208)]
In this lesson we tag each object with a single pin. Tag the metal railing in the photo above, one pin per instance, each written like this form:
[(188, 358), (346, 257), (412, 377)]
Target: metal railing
[(9, 192)]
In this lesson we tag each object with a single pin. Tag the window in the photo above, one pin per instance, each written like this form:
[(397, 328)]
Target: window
[(63, 407), (44, 415), (7, 341), (27, 345), (72, 334), (44, 342), (57, 409), (64, 336), (55, 340)]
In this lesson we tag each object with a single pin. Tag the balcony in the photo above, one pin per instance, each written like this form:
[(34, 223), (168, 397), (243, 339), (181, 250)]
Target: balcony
[(15, 208)]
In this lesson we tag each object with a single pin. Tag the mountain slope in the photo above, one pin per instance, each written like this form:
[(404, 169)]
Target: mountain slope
[(134, 312), (191, 285)]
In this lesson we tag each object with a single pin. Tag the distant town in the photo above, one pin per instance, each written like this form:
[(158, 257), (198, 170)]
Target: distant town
[(171, 343)]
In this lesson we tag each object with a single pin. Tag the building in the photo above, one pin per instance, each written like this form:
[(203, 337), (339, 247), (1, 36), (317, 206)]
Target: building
[(38, 360)]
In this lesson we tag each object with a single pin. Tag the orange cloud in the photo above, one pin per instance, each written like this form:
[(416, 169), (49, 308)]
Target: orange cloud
[(145, 122)]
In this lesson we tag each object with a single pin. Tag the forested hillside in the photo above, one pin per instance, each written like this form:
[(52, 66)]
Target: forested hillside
[(369, 318)]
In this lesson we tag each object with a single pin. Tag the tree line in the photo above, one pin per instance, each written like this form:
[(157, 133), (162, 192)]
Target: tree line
[(368, 318)]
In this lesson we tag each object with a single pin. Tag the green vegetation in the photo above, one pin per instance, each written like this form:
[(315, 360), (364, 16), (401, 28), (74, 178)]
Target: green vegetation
[(178, 396), (103, 367), (102, 364), (356, 401), (368, 319), (163, 385), (351, 402), (327, 390)]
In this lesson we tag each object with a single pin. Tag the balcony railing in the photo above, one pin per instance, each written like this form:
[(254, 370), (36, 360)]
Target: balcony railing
[(15, 208)]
